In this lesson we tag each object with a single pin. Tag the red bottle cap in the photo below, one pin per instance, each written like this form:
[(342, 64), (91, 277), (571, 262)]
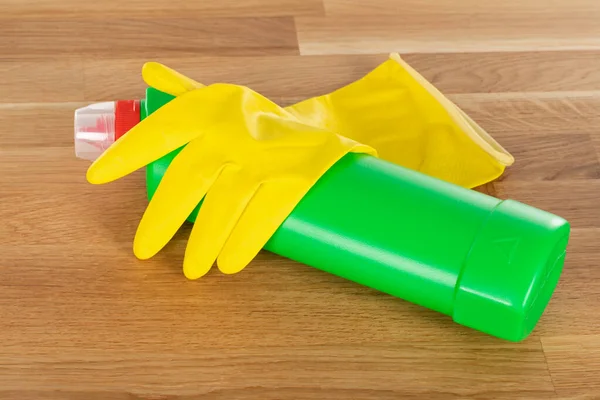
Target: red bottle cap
[(127, 115), (99, 125)]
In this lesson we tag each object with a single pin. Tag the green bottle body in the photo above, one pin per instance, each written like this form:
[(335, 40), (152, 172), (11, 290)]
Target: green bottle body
[(490, 264)]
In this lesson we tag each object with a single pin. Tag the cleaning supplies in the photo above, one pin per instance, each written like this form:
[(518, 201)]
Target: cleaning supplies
[(489, 264)]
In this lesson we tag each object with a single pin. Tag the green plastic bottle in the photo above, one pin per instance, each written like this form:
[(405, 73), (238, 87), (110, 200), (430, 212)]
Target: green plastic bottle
[(491, 265)]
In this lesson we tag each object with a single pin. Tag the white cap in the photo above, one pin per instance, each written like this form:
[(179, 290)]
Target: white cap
[(94, 129)]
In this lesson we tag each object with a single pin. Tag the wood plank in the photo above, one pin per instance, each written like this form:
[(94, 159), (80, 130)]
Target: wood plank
[(596, 142), (36, 125), (406, 31), (56, 212), (339, 371), (47, 165), (307, 76), (510, 71), (161, 8), (533, 8), (192, 34), (549, 157), (34, 81), (574, 362), (533, 113), (574, 305)]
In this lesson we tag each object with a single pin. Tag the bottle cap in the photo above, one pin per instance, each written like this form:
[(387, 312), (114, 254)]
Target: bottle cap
[(99, 125)]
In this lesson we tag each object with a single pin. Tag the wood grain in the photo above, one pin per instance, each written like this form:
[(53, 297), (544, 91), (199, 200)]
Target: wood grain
[(534, 112), (336, 369), (473, 8), (407, 31), (49, 81), (573, 359), (34, 126), (189, 34), (82, 318), (161, 8)]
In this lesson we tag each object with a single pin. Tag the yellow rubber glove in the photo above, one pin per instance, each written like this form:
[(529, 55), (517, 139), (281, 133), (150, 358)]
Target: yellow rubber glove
[(409, 122), (249, 159), (396, 111)]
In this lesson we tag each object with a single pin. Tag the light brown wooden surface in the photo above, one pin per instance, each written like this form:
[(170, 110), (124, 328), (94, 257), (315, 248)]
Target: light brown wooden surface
[(81, 318)]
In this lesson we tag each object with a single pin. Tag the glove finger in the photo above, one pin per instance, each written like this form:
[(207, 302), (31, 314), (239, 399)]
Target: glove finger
[(270, 206), (170, 127), (167, 80), (184, 184), (220, 211)]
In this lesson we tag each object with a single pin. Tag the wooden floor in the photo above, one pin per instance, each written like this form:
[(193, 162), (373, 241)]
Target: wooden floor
[(81, 318)]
